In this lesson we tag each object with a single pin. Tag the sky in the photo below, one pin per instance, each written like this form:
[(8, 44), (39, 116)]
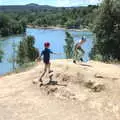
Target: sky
[(58, 3)]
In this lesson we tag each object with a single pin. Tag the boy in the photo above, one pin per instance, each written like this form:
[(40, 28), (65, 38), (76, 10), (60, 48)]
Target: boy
[(46, 59), (78, 51)]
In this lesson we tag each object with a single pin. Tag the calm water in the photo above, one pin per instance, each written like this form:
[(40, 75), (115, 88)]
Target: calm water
[(55, 37)]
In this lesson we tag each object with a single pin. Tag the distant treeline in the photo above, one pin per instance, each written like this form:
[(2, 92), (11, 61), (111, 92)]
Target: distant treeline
[(9, 25), (12, 22)]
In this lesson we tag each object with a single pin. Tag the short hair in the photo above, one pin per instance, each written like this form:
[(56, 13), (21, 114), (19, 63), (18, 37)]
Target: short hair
[(46, 44), (83, 38)]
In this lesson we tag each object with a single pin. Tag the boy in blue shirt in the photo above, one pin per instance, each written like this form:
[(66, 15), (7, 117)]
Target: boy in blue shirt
[(46, 59)]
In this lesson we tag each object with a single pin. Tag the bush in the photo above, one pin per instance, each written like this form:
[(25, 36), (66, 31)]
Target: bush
[(26, 51)]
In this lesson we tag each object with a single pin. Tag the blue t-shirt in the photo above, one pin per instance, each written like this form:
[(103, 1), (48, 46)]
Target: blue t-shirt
[(46, 54)]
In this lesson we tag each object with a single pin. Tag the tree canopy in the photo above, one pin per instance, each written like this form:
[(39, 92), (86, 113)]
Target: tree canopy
[(11, 25), (26, 51), (107, 31), (12, 22)]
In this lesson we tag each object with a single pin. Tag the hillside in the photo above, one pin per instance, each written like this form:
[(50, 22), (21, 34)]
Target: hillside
[(22, 8), (36, 7), (83, 91)]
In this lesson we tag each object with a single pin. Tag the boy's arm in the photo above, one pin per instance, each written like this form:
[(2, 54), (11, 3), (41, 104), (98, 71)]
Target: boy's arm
[(41, 54), (55, 53), (82, 41)]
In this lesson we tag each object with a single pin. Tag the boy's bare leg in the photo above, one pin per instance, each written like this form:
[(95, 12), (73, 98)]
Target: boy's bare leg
[(49, 67), (80, 54), (49, 70), (75, 55), (45, 70)]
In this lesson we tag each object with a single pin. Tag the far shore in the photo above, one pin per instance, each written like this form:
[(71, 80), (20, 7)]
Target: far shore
[(57, 28)]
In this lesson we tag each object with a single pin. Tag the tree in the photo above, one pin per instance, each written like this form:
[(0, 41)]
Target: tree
[(69, 46), (1, 55), (107, 29), (21, 58), (13, 56), (15, 21), (32, 53), (26, 50), (70, 24)]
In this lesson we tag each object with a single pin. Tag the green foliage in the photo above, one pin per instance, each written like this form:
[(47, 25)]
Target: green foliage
[(72, 24), (69, 46), (15, 22), (97, 57), (107, 30), (9, 25), (26, 50), (1, 55)]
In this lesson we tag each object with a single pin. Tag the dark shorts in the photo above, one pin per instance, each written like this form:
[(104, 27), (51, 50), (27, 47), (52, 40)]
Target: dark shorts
[(46, 61)]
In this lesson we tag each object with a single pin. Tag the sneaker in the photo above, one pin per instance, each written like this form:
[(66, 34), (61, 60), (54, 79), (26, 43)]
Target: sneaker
[(40, 80), (41, 84), (74, 61), (50, 71)]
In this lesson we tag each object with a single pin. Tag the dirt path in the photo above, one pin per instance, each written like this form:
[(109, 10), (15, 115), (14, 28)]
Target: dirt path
[(92, 92)]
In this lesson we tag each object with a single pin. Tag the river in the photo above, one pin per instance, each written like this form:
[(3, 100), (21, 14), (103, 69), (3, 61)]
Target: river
[(54, 36)]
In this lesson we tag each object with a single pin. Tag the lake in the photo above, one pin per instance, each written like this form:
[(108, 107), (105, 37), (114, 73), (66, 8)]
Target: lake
[(54, 36)]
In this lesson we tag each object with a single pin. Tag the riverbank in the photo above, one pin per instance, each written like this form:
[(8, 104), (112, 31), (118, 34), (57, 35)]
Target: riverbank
[(57, 28), (83, 90), (23, 68)]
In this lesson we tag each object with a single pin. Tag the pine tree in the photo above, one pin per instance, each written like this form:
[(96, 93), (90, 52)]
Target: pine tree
[(26, 50), (69, 46)]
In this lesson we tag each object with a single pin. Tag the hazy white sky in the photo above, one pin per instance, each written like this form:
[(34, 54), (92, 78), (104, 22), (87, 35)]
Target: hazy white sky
[(50, 2)]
